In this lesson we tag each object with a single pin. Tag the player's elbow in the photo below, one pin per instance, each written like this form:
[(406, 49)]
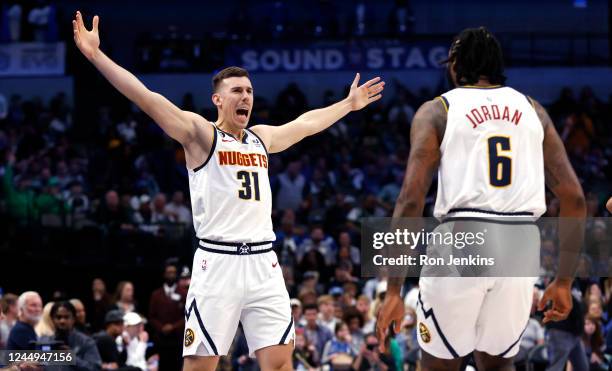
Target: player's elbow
[(573, 201), (408, 205)]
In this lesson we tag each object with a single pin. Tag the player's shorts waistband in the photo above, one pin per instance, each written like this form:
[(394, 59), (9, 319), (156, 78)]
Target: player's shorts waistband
[(235, 248)]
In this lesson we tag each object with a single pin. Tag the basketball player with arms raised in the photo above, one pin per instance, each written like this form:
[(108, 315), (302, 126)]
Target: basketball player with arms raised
[(235, 276), (494, 149)]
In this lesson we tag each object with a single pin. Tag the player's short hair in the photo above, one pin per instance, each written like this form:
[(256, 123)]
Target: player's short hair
[(476, 52), (226, 73)]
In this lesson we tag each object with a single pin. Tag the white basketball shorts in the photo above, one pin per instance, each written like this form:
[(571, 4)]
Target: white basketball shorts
[(232, 284), (460, 314)]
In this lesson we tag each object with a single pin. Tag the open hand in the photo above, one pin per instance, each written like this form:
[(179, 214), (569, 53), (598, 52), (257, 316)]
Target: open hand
[(361, 96), (88, 42)]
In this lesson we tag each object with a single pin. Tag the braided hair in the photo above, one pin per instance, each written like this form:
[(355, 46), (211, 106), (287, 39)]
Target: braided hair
[(476, 52)]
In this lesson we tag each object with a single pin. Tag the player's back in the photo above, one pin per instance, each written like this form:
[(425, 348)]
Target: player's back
[(492, 158)]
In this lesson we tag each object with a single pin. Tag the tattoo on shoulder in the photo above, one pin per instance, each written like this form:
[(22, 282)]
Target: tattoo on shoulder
[(542, 114), (438, 117)]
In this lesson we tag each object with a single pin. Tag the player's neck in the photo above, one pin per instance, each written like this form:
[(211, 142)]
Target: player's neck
[(235, 131), (483, 82)]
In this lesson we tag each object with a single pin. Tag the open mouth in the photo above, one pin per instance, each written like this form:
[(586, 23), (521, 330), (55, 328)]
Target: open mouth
[(242, 112)]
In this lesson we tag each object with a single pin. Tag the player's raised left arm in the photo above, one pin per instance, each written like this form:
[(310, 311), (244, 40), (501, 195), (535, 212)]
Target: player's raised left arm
[(279, 138)]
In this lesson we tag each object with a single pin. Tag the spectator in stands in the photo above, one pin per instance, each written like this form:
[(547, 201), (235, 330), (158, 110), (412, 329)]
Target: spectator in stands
[(41, 20), (401, 18), (13, 15), (177, 209), (10, 310), (112, 357), (347, 252), (593, 342), (45, 326), (135, 339), (98, 304), (304, 353), (342, 275), (407, 338), (124, 297), (533, 334), (111, 213), (338, 351), (30, 311), (318, 242), (316, 334), (296, 312), (354, 320), (563, 340), (167, 316), (158, 212), (184, 281), (291, 184), (363, 306), (326, 312), (370, 358), (81, 323), (77, 201), (287, 240), (84, 347), (370, 208)]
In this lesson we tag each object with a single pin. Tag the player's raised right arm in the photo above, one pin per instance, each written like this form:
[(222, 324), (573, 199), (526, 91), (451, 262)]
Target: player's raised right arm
[(178, 124)]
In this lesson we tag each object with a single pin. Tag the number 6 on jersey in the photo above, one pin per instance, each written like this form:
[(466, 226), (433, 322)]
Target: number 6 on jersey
[(500, 167)]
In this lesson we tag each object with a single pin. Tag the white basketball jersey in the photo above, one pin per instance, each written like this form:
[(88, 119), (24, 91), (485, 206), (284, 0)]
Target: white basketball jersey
[(231, 198), (492, 157)]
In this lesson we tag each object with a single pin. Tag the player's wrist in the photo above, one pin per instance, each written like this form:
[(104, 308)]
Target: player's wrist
[(564, 281), (94, 55)]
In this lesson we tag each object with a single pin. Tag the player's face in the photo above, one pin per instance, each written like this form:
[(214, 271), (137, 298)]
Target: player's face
[(234, 98)]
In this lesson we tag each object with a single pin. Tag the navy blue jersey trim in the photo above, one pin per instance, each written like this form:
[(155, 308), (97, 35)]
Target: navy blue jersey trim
[(262, 142), (485, 220), (480, 87), (221, 243), (194, 308), (444, 102), (430, 313), (212, 150), (236, 252), (475, 210), (513, 344), (282, 341)]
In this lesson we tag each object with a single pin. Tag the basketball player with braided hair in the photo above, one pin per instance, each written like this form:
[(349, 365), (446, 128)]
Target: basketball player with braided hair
[(495, 149)]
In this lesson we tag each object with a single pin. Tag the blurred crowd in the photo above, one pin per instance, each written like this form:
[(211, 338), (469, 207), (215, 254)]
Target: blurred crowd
[(127, 178), (26, 21)]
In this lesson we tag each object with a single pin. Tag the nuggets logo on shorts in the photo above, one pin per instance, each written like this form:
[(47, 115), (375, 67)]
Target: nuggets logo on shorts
[(189, 337), (424, 332)]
